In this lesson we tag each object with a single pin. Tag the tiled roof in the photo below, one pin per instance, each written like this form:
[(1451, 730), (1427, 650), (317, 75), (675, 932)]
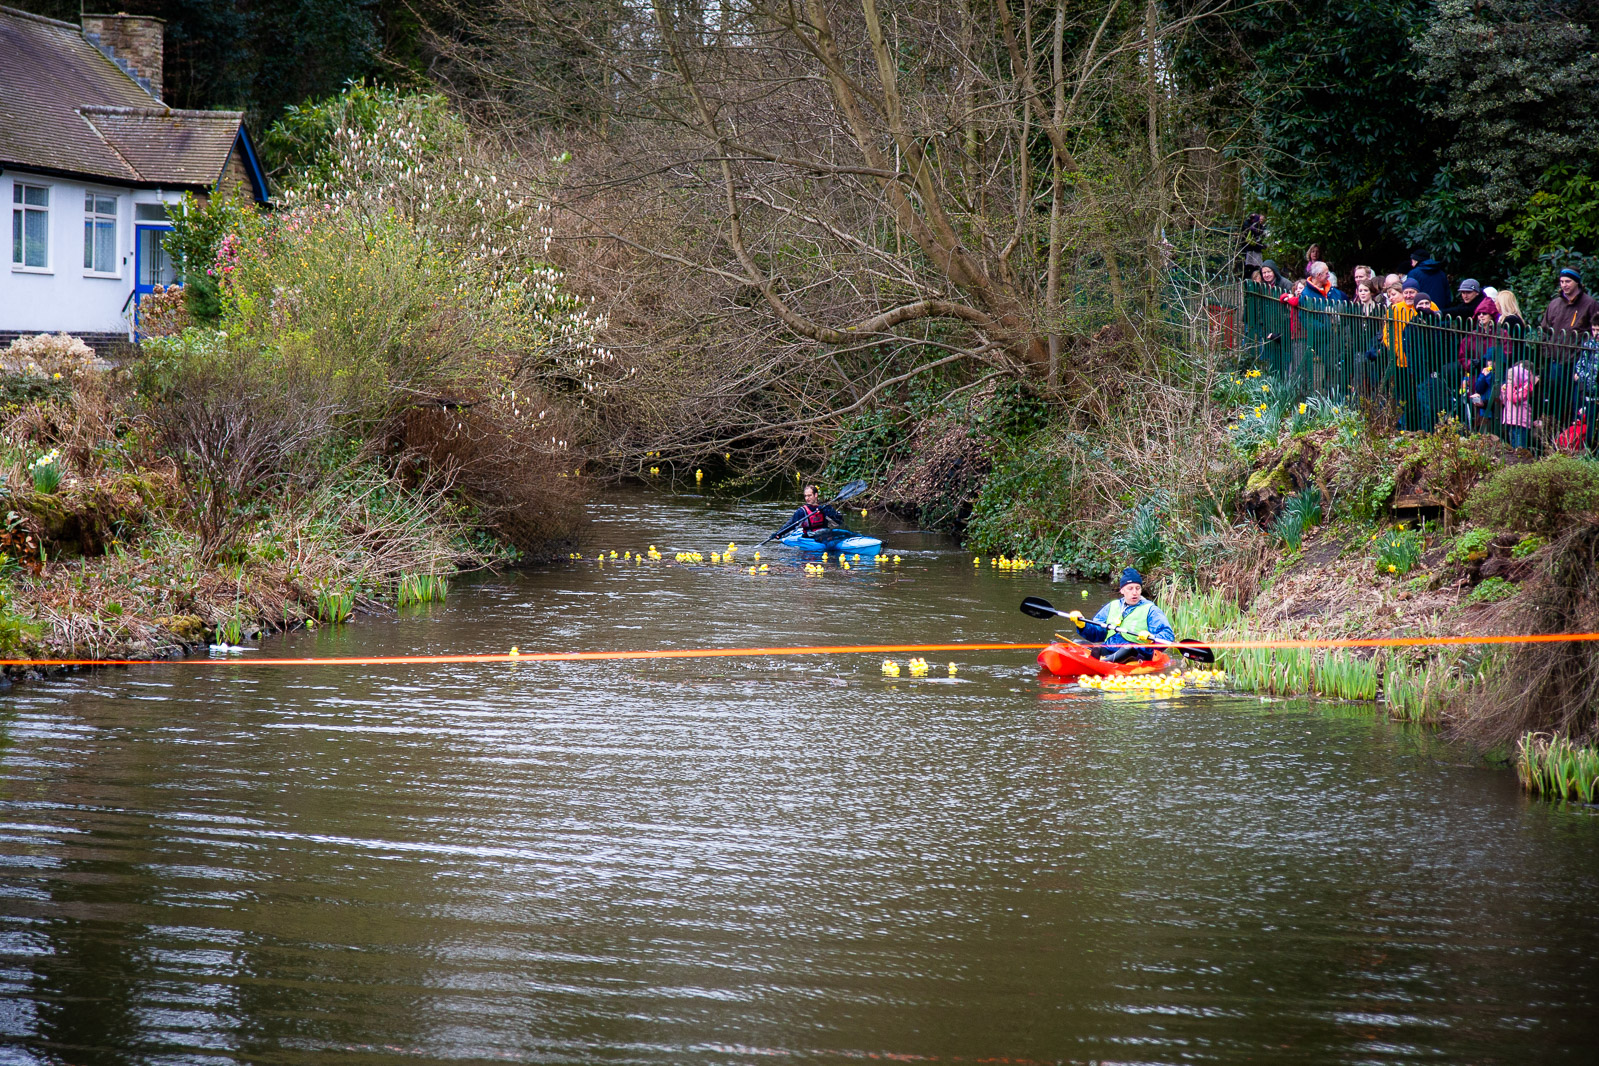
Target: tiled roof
[(166, 146), (65, 107)]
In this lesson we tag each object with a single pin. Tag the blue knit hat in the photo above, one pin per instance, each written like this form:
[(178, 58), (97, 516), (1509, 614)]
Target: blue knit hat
[(1130, 576), (1412, 282), (1567, 272)]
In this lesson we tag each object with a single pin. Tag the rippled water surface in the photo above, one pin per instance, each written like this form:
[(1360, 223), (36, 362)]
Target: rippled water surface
[(754, 860)]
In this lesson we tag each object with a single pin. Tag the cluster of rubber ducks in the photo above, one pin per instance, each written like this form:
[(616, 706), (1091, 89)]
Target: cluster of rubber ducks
[(1156, 683), (916, 668), (845, 562), (1001, 563), (625, 557)]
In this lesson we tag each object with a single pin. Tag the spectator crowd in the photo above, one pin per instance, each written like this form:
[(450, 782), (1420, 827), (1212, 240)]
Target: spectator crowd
[(1436, 350)]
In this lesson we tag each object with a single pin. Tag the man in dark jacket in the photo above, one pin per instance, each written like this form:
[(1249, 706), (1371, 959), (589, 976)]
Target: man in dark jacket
[(1465, 309), (1572, 310), (1565, 323), (1430, 277)]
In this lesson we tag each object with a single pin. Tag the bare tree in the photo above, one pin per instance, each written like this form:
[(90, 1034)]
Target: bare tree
[(790, 209)]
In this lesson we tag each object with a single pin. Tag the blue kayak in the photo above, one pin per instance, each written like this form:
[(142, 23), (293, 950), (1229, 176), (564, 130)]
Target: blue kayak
[(834, 540)]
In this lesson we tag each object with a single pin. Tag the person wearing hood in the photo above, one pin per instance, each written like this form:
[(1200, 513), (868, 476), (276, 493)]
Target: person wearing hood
[(1271, 277), (1131, 616), (1430, 277), (1485, 341)]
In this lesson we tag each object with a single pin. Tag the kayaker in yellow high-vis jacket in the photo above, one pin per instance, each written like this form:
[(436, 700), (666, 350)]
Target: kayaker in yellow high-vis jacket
[(1131, 616)]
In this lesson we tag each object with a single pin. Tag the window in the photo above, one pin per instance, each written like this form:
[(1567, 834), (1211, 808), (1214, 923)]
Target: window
[(99, 233), (30, 226), (149, 212)]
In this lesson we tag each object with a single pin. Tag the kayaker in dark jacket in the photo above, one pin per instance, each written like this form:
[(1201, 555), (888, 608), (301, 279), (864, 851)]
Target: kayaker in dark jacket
[(1132, 616), (1430, 277), (813, 515)]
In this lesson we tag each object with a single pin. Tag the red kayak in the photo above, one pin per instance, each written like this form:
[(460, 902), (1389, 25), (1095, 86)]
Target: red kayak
[(1073, 660)]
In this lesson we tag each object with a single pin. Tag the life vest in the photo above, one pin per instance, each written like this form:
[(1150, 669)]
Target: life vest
[(814, 519), (1135, 621)]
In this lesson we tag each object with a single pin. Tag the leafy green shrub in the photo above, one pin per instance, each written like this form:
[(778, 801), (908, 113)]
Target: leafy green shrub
[(1539, 497), (1492, 590), (1470, 546), (1398, 551), (1527, 545), (1300, 512), (240, 421)]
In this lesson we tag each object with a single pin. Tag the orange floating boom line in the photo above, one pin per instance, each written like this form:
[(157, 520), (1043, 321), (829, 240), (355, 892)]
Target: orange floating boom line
[(817, 649), (535, 656)]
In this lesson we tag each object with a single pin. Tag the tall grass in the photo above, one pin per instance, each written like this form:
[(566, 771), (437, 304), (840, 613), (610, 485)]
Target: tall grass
[(1550, 765), (421, 588), (1197, 614), (334, 604), (1410, 692), (1415, 693), (1348, 677)]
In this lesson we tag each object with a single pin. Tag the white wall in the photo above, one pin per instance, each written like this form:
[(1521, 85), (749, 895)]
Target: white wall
[(67, 297)]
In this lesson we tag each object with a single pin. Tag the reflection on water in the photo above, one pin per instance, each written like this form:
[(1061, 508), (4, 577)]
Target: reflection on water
[(737, 860)]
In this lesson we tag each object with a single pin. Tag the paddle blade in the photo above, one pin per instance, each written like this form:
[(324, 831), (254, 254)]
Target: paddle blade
[(850, 491), (1039, 608), (1194, 650)]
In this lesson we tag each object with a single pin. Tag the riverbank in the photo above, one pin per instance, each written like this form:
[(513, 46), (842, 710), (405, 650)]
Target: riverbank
[(1298, 518)]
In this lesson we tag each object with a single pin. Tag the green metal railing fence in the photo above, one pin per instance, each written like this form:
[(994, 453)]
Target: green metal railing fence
[(1531, 389)]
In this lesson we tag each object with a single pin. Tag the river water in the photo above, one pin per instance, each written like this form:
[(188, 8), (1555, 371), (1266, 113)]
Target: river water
[(767, 859)]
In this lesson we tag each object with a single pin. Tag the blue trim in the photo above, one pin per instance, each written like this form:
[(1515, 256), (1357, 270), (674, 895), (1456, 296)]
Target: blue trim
[(257, 175)]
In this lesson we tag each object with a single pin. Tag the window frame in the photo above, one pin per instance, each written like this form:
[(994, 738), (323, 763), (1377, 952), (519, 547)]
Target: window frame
[(115, 218), (20, 207)]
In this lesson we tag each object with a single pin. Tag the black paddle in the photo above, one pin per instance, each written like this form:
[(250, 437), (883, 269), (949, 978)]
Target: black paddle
[(1189, 649), (848, 492)]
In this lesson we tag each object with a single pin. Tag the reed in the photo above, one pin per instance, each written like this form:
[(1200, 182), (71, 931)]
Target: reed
[(230, 631), (421, 588), (1277, 671), (1348, 677), (1195, 613), (1415, 693), (334, 604), (1550, 765)]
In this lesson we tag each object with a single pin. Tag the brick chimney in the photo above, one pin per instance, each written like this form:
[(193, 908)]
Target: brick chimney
[(132, 42)]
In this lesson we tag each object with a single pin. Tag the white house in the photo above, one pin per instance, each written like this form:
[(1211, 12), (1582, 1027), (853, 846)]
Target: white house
[(90, 162)]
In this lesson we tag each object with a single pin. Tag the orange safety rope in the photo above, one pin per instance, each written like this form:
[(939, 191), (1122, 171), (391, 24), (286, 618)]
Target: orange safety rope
[(537, 657), (819, 649)]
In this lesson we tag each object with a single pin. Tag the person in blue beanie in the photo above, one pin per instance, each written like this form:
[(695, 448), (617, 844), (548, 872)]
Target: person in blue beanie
[(1132, 616), (1430, 277)]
